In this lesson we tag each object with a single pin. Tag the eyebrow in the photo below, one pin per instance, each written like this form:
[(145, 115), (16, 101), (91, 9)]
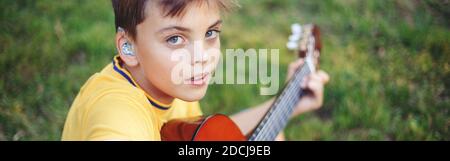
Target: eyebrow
[(186, 29), (215, 24)]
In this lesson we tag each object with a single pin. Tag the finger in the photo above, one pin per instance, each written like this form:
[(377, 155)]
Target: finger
[(304, 82), (315, 84), (300, 62), (296, 64), (312, 77), (324, 76)]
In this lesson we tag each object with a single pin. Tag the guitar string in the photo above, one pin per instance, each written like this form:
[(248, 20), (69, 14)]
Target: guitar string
[(278, 103), (279, 119), (272, 133), (280, 114), (294, 97), (275, 112)]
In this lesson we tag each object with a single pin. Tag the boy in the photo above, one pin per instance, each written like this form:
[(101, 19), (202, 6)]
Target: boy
[(131, 98)]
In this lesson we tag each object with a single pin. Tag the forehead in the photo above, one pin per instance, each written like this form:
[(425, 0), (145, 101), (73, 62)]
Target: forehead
[(194, 15)]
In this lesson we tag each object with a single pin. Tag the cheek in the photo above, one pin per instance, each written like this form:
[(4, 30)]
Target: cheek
[(215, 58), (215, 54), (156, 61)]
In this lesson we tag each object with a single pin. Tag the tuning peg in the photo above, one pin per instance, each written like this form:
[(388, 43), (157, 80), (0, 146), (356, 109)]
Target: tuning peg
[(296, 29), (291, 45), (294, 37)]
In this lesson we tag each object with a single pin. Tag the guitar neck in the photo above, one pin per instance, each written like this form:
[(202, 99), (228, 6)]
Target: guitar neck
[(281, 110)]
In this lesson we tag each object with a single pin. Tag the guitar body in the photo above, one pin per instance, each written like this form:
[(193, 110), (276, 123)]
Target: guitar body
[(213, 128)]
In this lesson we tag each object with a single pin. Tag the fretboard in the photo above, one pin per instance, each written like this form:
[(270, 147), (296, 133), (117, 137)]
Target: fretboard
[(281, 110)]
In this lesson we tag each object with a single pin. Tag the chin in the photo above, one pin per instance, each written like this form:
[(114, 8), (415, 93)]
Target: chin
[(191, 94)]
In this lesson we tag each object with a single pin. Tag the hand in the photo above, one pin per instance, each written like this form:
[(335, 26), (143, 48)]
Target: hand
[(313, 86)]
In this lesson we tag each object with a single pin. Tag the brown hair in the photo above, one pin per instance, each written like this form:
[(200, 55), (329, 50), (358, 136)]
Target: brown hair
[(129, 13)]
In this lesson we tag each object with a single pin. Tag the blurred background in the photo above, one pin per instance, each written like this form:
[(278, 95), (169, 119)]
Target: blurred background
[(388, 61)]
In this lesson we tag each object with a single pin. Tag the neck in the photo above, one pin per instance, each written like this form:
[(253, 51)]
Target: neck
[(281, 110), (139, 77)]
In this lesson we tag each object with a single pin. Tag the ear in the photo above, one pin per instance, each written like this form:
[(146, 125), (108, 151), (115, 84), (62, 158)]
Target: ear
[(121, 39)]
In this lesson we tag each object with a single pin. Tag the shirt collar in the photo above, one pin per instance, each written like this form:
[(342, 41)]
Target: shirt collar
[(117, 65)]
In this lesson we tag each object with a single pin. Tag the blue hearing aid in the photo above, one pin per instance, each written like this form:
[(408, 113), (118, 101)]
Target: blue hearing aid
[(127, 48)]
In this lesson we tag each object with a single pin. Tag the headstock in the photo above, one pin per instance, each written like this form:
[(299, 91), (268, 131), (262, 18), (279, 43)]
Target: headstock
[(305, 41)]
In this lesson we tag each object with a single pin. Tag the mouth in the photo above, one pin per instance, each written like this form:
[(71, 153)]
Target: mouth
[(198, 80)]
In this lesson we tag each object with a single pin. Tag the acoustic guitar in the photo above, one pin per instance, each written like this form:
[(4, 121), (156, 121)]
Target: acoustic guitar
[(305, 41)]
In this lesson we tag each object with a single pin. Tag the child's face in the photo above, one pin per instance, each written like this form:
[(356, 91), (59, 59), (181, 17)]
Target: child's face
[(158, 39)]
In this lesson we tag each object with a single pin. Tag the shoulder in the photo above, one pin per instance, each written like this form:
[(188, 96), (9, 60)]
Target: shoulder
[(111, 109), (106, 87), (119, 115)]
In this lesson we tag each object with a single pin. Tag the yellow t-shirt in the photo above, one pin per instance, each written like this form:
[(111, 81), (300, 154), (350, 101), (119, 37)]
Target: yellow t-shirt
[(111, 106)]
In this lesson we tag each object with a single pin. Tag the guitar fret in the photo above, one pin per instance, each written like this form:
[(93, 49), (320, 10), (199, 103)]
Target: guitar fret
[(281, 110), (277, 117)]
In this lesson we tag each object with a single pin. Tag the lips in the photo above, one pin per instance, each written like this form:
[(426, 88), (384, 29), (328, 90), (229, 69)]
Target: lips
[(198, 80)]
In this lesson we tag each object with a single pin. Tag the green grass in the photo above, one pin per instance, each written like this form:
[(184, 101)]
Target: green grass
[(388, 61)]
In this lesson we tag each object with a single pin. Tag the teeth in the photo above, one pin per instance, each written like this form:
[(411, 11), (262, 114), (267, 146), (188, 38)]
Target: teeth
[(196, 78)]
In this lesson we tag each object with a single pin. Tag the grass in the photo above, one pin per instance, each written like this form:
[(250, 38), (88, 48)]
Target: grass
[(388, 62)]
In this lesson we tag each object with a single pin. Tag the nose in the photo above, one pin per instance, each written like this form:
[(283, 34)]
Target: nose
[(200, 54)]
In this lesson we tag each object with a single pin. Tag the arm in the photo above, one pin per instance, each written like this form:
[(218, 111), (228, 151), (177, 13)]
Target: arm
[(248, 119)]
